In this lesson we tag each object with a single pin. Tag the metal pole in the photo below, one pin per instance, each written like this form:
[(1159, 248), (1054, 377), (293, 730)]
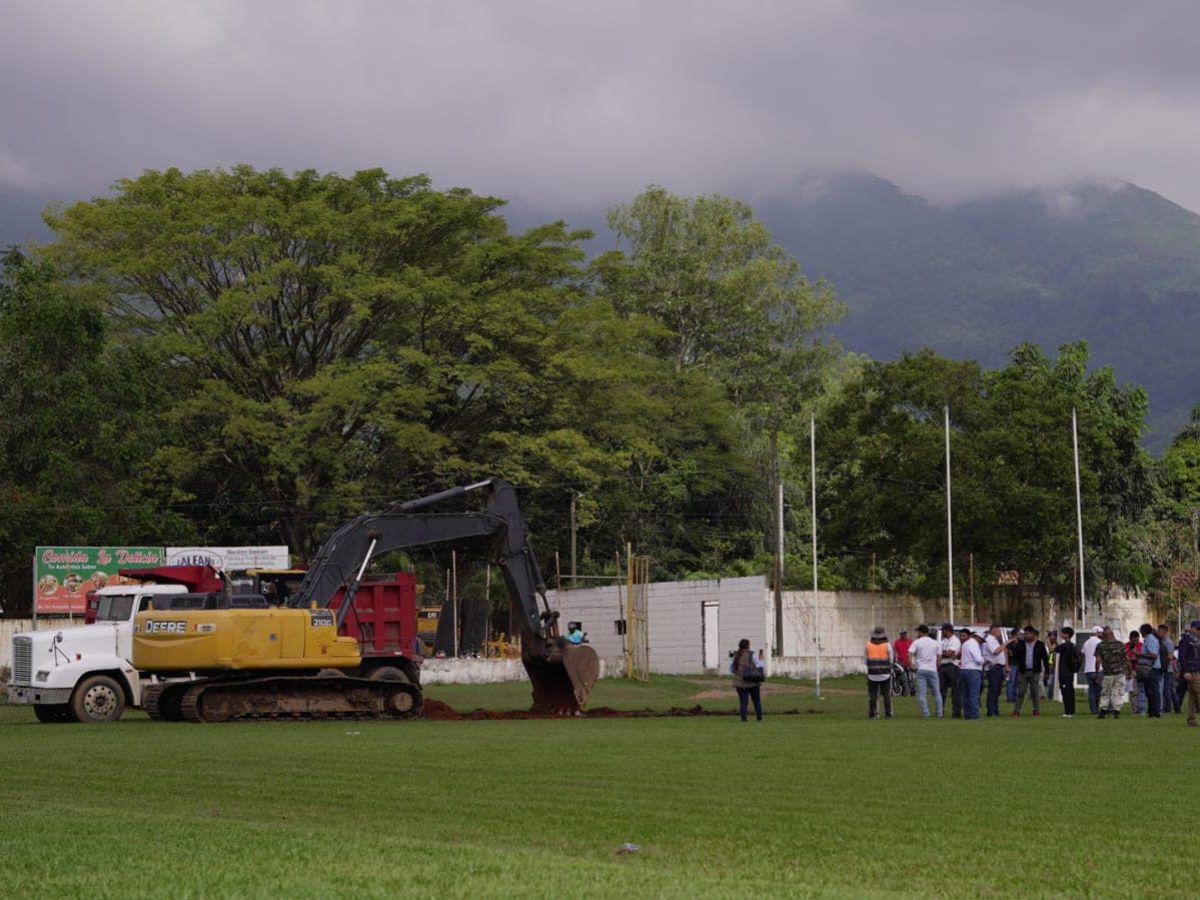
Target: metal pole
[(34, 601), (573, 530), (1079, 522), (629, 628), (778, 567), (487, 593), (949, 524), (812, 458), (453, 588)]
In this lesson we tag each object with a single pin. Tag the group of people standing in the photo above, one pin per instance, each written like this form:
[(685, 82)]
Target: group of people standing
[(960, 665)]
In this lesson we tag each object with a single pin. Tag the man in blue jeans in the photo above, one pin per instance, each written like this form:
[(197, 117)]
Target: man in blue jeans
[(994, 658), (1149, 669), (923, 656), (970, 672)]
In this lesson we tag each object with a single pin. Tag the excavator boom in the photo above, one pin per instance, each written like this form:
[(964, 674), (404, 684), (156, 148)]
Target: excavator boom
[(562, 674)]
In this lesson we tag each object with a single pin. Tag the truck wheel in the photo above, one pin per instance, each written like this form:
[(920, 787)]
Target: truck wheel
[(388, 673), (53, 713), (98, 699)]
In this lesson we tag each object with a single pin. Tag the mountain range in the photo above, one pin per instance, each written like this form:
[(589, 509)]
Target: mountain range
[(1111, 263)]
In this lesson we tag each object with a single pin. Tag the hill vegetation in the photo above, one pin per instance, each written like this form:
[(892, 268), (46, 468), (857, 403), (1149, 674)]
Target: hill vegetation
[(1112, 264)]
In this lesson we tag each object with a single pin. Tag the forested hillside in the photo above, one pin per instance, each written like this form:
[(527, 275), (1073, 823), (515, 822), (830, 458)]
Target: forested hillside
[(1112, 264)]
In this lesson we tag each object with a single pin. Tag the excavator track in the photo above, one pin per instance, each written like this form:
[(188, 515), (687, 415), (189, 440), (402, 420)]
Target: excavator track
[(299, 697), (151, 696)]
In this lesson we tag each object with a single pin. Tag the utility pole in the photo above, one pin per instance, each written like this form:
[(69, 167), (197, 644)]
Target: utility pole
[(1079, 521), (812, 456), (971, 582), (949, 525), (778, 543), (574, 526)]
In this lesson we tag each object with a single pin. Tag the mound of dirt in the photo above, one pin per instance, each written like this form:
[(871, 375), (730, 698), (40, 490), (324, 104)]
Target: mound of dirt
[(438, 711)]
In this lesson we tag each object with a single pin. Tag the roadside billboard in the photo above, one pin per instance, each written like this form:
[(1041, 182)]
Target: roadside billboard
[(62, 576), (235, 559)]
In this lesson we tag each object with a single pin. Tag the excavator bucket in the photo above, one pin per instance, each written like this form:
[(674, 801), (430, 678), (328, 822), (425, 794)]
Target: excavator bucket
[(563, 678)]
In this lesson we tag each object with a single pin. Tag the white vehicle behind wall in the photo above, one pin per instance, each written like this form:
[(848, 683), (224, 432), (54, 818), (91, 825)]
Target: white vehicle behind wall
[(84, 673)]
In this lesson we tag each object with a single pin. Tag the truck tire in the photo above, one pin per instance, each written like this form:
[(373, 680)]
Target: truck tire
[(389, 673), (98, 699), (53, 713)]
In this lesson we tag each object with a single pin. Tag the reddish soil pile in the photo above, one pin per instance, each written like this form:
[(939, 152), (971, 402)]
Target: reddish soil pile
[(438, 711)]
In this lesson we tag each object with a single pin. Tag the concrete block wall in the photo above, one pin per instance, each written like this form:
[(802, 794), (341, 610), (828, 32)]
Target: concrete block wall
[(844, 620)]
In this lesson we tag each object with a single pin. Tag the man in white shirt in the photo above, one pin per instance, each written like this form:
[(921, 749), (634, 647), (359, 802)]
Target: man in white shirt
[(948, 669), (970, 669), (994, 658), (1091, 670), (925, 653)]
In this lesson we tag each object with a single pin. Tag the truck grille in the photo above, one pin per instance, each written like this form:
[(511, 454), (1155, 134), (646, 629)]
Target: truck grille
[(22, 660)]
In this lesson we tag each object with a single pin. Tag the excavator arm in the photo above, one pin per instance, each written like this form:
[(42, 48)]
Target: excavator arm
[(562, 674)]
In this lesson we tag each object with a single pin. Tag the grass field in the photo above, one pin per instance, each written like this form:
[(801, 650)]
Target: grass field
[(826, 803)]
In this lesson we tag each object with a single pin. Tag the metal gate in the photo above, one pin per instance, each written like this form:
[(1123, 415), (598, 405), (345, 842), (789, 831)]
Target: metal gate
[(637, 619)]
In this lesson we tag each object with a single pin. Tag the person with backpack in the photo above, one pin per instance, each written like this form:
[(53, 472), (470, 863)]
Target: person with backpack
[(748, 675), (880, 660), (1114, 665), (1069, 662)]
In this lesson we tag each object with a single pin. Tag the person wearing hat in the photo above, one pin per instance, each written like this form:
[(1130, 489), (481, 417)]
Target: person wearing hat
[(880, 659), (1189, 668), (970, 672), (1091, 670), (948, 669), (901, 646)]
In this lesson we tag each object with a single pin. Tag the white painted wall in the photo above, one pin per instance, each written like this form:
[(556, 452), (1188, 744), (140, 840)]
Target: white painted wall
[(494, 671), (676, 612)]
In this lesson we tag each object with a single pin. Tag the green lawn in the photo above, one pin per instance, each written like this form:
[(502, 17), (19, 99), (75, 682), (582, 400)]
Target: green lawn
[(823, 803)]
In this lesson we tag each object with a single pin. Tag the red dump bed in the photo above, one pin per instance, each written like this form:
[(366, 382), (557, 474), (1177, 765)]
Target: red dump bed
[(384, 619)]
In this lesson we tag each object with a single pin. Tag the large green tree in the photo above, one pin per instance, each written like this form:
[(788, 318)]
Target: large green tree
[(78, 430), (337, 342), (1012, 468)]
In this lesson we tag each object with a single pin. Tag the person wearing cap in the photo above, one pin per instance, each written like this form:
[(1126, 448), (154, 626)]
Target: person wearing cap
[(970, 672), (1189, 667), (901, 646), (949, 648), (1091, 671), (925, 654), (1031, 662), (880, 660), (1068, 661)]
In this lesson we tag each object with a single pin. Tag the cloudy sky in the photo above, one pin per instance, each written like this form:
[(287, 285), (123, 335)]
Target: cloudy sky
[(566, 104)]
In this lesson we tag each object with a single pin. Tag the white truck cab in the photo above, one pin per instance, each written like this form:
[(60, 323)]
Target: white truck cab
[(84, 673)]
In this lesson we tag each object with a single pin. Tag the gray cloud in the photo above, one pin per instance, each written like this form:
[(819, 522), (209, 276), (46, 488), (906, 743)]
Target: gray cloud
[(569, 104)]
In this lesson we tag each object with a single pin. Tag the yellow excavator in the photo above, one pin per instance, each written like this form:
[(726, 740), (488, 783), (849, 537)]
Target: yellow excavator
[(291, 661)]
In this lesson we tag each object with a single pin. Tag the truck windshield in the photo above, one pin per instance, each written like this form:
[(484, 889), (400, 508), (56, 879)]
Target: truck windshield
[(114, 608)]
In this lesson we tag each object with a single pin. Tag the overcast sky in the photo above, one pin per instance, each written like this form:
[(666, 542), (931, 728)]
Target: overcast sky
[(566, 105)]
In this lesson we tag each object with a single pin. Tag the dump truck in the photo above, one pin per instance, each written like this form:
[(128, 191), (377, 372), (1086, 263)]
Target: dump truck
[(295, 661)]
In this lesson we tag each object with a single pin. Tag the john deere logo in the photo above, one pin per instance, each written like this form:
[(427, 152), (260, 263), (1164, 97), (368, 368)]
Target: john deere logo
[(155, 626)]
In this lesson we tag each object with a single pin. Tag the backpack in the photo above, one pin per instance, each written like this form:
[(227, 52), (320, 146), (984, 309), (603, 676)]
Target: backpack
[(748, 671)]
